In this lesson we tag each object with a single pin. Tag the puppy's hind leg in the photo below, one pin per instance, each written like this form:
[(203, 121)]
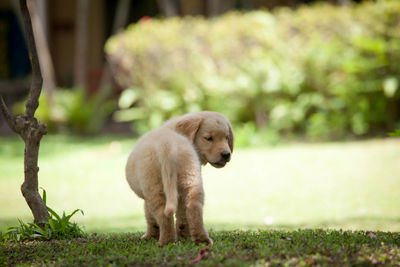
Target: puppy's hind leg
[(165, 222), (153, 230), (182, 226)]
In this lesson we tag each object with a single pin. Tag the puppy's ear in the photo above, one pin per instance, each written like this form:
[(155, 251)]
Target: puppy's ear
[(230, 137), (188, 126)]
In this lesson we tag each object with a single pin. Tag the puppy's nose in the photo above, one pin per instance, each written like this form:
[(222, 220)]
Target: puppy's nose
[(226, 155)]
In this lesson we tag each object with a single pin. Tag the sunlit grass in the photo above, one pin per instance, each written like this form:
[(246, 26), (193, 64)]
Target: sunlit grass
[(350, 185)]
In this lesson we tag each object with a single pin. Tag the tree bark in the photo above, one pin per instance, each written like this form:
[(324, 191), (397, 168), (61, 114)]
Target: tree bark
[(81, 44), (212, 8), (29, 128), (40, 31), (120, 20), (46, 64), (168, 8)]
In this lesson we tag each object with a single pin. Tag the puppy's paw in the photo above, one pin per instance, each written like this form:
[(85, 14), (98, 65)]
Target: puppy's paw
[(148, 236), (203, 240), (145, 237), (163, 242)]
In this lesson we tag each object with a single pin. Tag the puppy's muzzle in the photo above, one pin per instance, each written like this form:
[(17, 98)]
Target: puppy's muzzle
[(226, 156)]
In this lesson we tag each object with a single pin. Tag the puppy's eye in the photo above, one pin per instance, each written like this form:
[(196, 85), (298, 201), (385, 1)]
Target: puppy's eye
[(209, 139)]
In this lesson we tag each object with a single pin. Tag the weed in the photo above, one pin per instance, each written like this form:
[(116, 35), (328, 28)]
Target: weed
[(57, 227)]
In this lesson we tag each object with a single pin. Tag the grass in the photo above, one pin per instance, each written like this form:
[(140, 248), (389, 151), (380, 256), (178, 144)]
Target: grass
[(351, 185), (276, 193), (233, 248)]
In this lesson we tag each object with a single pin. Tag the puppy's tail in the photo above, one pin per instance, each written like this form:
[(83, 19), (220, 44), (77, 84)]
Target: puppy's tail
[(169, 177)]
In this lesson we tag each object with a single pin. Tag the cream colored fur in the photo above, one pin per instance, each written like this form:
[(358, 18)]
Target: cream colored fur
[(164, 169)]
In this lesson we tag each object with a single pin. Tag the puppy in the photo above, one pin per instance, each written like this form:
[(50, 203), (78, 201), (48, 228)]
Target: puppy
[(164, 170)]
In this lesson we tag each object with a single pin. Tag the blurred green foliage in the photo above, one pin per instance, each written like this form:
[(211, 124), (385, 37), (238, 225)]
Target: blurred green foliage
[(72, 110), (321, 71)]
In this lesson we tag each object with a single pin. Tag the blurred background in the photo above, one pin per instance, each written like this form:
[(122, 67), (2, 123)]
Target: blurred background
[(311, 88)]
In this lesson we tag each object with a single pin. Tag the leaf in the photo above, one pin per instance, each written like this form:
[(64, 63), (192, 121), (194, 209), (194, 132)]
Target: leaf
[(37, 229), (200, 256), (72, 214), (52, 225), (131, 114), (128, 97), (37, 236), (395, 133), (390, 86), (44, 195), (52, 212)]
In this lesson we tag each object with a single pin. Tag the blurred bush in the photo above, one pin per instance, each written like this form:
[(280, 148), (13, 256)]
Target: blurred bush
[(321, 71), (72, 110)]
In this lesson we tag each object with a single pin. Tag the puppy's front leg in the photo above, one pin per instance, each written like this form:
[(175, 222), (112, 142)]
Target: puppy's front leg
[(194, 214)]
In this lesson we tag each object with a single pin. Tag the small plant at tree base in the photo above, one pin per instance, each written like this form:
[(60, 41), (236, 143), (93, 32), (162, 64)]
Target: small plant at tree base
[(57, 227)]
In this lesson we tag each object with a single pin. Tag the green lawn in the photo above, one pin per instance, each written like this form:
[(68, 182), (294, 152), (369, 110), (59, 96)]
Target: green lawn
[(349, 185), (233, 248)]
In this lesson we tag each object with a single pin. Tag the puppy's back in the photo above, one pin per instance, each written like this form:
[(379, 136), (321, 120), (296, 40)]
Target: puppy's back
[(155, 163)]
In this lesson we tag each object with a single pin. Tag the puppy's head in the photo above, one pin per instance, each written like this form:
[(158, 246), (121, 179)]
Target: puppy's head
[(211, 134)]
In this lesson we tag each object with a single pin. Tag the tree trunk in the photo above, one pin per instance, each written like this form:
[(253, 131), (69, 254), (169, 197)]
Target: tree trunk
[(120, 20), (29, 188), (344, 2), (46, 64), (212, 8), (29, 128), (168, 8), (218, 7), (81, 44)]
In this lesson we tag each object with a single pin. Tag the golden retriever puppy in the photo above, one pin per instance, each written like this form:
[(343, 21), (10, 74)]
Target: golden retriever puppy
[(164, 170)]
